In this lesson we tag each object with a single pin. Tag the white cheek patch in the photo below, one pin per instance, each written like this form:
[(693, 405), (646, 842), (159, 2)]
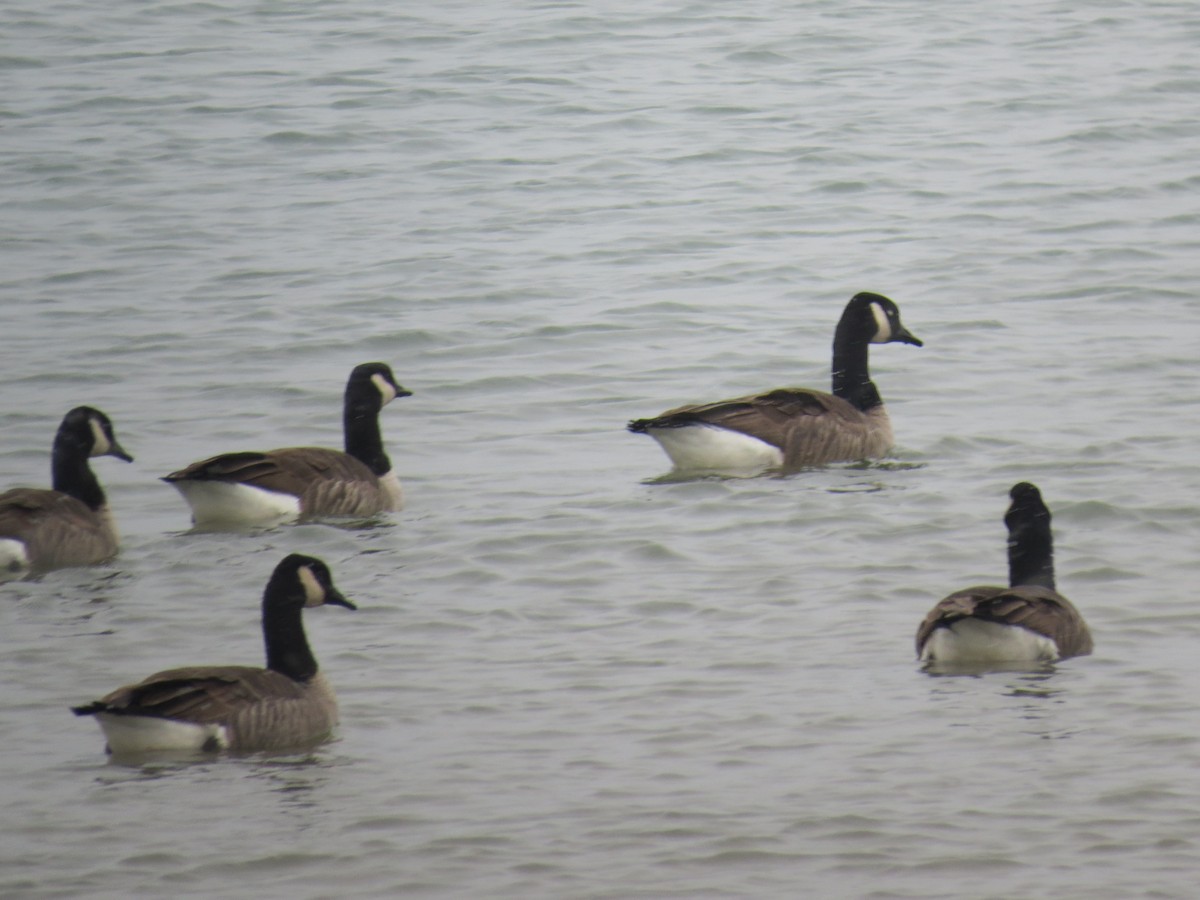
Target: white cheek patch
[(314, 594), (883, 328), (386, 391), (100, 442)]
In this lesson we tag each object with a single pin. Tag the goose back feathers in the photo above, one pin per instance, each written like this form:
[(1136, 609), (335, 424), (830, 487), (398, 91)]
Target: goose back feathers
[(794, 427), (304, 482), (70, 524), (1028, 621), (288, 704)]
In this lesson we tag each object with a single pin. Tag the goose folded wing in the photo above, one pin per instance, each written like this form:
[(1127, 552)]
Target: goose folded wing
[(1044, 611), (203, 695), (959, 605), (31, 505), (768, 417)]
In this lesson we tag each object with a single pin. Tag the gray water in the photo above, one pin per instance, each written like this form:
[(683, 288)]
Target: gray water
[(569, 677)]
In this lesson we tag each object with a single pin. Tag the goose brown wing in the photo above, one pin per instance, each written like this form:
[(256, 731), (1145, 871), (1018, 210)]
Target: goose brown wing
[(24, 508), (272, 471), (205, 695), (1038, 609), (959, 605), (768, 417), (56, 528)]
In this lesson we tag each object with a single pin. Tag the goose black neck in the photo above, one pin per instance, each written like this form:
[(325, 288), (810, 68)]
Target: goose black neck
[(71, 474), (360, 422), (851, 380), (288, 652), (1031, 553)]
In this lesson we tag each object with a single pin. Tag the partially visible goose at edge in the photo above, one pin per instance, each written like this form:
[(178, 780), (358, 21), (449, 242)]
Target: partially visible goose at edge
[(791, 428), (1029, 621), (276, 486), (70, 525), (287, 705)]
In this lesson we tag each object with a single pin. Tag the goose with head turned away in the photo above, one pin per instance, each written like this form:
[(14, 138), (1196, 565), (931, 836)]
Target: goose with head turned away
[(792, 428), (70, 524), (287, 705), (1028, 621), (271, 487)]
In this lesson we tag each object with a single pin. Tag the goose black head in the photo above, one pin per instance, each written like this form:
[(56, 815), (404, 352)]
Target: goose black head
[(374, 383), (307, 580), (89, 430), (876, 319)]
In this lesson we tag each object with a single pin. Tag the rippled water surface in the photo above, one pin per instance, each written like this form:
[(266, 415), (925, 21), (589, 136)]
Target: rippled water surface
[(569, 677)]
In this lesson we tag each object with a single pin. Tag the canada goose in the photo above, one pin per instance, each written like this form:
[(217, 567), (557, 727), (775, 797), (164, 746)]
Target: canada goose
[(70, 525), (793, 427), (1028, 621), (288, 704), (255, 488)]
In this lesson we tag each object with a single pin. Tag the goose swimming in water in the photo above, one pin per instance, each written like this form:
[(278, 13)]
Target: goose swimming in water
[(71, 524), (286, 705), (276, 486), (1028, 621), (791, 428)]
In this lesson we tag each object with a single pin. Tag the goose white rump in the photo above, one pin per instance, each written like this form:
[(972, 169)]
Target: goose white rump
[(710, 447), (226, 502), (977, 642)]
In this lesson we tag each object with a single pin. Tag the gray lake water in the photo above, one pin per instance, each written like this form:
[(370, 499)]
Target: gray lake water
[(569, 678)]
